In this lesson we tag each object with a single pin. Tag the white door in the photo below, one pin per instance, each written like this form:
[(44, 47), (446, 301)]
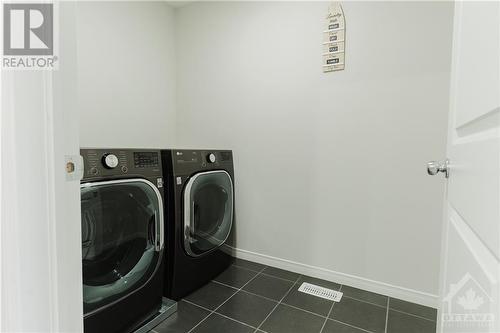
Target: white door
[(40, 227), (470, 273)]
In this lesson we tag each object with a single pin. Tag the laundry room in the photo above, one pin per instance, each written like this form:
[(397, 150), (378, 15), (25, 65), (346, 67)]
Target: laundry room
[(250, 166)]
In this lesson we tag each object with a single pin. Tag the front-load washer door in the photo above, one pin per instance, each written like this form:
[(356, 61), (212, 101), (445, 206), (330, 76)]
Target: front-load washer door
[(122, 239), (208, 211)]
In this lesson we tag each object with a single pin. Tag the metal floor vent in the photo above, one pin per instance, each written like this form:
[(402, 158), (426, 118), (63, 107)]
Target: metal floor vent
[(318, 291)]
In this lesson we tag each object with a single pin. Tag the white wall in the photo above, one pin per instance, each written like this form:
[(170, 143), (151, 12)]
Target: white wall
[(126, 74), (330, 168)]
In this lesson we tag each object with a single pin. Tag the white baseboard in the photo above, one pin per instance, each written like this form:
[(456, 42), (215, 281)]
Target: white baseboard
[(406, 294)]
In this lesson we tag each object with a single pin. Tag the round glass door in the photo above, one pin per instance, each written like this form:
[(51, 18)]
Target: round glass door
[(208, 211), (122, 234)]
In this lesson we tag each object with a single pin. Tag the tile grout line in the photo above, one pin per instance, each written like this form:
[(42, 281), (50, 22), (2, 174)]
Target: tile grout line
[(258, 328), (282, 298), (217, 308), (350, 325), (327, 317), (292, 306), (328, 314), (392, 309), (303, 310), (249, 292), (341, 322), (200, 306), (239, 289), (220, 314), (354, 298), (249, 269), (413, 315), (224, 284), (245, 324), (278, 277), (387, 314), (274, 301), (310, 312), (208, 315), (266, 274), (350, 297), (367, 302)]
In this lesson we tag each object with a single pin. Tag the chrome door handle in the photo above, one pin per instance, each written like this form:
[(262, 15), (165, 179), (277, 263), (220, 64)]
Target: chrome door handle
[(433, 168), (159, 233)]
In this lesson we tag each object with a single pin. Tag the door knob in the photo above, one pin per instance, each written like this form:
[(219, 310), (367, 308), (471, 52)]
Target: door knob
[(433, 168)]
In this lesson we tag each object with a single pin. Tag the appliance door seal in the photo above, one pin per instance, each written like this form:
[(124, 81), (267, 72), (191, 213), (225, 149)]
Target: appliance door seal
[(208, 205)]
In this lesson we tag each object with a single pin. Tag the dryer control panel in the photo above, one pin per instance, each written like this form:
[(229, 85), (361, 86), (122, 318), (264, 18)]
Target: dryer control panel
[(190, 161), (120, 162), (202, 158)]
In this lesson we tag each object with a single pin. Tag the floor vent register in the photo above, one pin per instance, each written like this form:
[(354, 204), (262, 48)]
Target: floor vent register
[(318, 291)]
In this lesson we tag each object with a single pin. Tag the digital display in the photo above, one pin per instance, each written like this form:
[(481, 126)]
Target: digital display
[(146, 159)]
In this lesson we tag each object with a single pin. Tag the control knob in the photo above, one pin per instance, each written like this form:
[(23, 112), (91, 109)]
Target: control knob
[(211, 158), (110, 161)]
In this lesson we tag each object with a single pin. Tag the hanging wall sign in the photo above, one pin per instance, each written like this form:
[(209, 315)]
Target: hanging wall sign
[(334, 39)]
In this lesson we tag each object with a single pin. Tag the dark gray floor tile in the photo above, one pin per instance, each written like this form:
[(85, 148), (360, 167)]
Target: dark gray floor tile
[(399, 322), (248, 264), (235, 276), (333, 326), (186, 317), (268, 286), (218, 324), (411, 308), (281, 273), (285, 319), (307, 302), (247, 308), (365, 295), (211, 295), (360, 314)]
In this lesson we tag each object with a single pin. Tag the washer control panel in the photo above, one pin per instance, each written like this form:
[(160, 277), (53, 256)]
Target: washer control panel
[(109, 161), (120, 162), (146, 159)]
